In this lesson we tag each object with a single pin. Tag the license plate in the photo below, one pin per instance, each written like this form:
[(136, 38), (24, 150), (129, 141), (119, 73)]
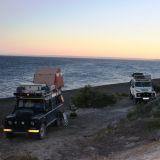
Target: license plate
[(145, 98)]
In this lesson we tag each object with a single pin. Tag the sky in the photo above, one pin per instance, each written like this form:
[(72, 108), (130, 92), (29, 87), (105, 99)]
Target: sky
[(91, 28)]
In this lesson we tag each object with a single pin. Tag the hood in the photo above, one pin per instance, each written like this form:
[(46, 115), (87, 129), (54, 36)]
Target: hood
[(144, 89), (38, 116), (11, 116), (24, 114)]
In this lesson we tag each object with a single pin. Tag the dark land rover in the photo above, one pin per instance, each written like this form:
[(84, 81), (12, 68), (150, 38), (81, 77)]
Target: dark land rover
[(33, 113), (37, 107)]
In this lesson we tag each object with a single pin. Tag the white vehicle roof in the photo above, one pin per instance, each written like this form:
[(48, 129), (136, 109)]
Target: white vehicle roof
[(140, 77)]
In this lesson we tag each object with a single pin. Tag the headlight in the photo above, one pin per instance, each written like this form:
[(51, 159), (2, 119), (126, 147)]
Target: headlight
[(153, 94), (138, 94), (22, 122), (32, 123), (10, 122)]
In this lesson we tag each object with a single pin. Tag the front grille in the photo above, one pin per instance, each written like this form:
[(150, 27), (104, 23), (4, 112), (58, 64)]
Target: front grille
[(21, 125), (145, 94)]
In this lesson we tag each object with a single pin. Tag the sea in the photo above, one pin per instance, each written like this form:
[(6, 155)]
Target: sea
[(77, 72)]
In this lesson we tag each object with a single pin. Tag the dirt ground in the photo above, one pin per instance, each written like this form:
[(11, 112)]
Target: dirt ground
[(68, 143), (96, 134)]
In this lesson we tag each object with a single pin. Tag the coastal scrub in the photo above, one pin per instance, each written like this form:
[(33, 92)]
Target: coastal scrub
[(87, 97)]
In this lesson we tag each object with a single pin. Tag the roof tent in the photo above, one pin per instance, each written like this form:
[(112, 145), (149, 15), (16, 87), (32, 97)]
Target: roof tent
[(49, 76)]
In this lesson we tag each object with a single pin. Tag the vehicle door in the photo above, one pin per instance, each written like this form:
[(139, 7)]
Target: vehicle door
[(59, 102), (49, 111)]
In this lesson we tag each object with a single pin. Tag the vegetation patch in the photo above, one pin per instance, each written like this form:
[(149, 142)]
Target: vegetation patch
[(87, 97), (21, 157), (149, 112), (153, 123), (122, 94), (157, 88)]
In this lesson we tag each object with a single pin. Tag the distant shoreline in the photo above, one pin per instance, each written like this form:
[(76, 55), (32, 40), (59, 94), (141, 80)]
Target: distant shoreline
[(112, 88), (78, 72), (74, 90)]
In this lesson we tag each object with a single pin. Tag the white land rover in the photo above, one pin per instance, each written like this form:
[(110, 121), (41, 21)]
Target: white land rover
[(141, 88)]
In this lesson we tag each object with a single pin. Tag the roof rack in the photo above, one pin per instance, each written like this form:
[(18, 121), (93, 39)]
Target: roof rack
[(31, 90), (137, 74), (47, 83), (141, 76)]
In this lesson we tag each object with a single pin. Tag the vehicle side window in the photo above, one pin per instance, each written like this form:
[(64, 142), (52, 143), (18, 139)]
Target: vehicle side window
[(48, 106)]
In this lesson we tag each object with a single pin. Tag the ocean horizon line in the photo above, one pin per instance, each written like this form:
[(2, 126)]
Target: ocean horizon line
[(79, 57)]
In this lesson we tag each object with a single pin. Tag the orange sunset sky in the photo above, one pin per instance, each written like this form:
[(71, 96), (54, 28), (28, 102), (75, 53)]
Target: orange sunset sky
[(87, 28)]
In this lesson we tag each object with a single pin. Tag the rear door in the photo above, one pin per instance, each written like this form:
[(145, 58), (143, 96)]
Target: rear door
[(49, 112)]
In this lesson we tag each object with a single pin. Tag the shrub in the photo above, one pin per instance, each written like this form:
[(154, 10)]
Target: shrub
[(122, 94), (21, 157), (87, 98), (102, 99), (153, 123), (149, 110), (132, 115), (141, 111), (156, 88), (83, 97)]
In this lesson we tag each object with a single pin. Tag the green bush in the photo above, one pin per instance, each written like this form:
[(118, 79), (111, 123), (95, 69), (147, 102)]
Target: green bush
[(21, 157), (87, 98), (148, 110), (140, 111), (83, 97), (156, 88), (132, 115), (122, 94), (153, 123)]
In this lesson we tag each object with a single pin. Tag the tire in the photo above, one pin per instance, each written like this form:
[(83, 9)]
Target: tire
[(62, 120), (42, 131), (9, 135), (131, 96), (58, 121), (135, 100)]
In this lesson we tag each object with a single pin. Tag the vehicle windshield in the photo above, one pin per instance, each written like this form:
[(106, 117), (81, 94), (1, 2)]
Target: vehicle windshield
[(143, 84), (30, 103)]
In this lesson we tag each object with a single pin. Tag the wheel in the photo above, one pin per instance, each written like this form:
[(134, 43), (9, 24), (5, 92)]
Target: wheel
[(58, 121), (135, 100), (64, 120), (9, 135), (42, 131), (131, 96)]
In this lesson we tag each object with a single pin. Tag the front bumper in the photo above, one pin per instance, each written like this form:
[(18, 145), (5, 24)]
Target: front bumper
[(145, 96), (10, 130)]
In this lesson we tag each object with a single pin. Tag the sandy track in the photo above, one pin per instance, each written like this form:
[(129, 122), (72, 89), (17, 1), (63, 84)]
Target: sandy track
[(67, 143), (148, 151)]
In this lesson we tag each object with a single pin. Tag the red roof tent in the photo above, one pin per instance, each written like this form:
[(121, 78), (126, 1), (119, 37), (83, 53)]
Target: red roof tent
[(49, 76)]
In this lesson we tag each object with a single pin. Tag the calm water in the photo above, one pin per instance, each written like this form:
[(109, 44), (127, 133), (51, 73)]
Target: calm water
[(77, 72)]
